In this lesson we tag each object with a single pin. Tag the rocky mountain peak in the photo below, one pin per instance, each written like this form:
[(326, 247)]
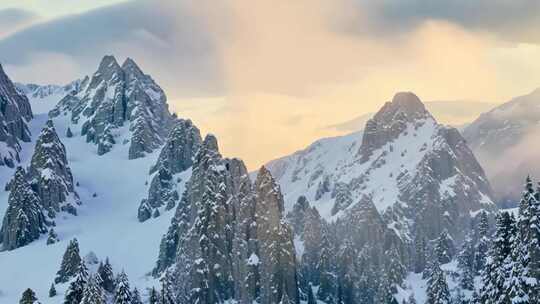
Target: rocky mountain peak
[(210, 143), (115, 96), (391, 120), (108, 64), (130, 67)]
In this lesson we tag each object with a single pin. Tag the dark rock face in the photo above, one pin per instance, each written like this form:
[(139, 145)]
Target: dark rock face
[(15, 112), (114, 97), (227, 240), (276, 250), (50, 174), (176, 156), (23, 221), (182, 143)]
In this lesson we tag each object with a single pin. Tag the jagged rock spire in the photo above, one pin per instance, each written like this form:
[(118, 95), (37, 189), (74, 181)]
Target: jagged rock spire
[(391, 120), (23, 221), (50, 173), (176, 156), (274, 236), (182, 143), (15, 112), (113, 97)]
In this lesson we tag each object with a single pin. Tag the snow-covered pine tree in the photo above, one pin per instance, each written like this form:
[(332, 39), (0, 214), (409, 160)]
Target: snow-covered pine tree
[(136, 297), (534, 248), (50, 173), (106, 275), (52, 291), (122, 294), (28, 297), (466, 267), (482, 245), (23, 220), (153, 297), (385, 291), (70, 263), (75, 291), (496, 274), (394, 267), (52, 237), (310, 296), (93, 292), (167, 294), (444, 248), (437, 289)]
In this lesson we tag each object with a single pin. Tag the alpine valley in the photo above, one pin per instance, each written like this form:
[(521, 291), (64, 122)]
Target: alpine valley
[(111, 198)]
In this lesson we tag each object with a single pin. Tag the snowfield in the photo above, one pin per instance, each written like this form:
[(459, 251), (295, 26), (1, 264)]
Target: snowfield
[(106, 224)]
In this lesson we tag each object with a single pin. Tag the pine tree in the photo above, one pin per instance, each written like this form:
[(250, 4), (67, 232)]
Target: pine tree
[(75, 292), (310, 296), (466, 259), (28, 297), (122, 294), (52, 291), (482, 246), (70, 263), (444, 248), (153, 298), (496, 273), (385, 291), (533, 248), (395, 268), (106, 274), (23, 220), (437, 290), (52, 237), (69, 134), (136, 297), (167, 289), (411, 299), (93, 293)]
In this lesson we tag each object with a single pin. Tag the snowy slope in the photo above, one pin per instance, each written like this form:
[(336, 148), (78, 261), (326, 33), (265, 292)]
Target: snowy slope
[(44, 97), (106, 224)]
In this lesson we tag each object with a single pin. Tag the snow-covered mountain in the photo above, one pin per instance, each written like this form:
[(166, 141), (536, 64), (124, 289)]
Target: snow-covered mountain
[(44, 97), (118, 104), (505, 141), (421, 176)]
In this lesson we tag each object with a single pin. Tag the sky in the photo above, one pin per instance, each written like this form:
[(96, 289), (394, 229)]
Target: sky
[(270, 77)]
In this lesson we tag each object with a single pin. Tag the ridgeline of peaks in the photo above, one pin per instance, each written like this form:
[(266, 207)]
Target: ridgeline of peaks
[(420, 176), (15, 113), (117, 98)]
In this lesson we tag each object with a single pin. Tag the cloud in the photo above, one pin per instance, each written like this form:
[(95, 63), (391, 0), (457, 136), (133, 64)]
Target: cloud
[(266, 76), (162, 36), (515, 21), (12, 20)]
